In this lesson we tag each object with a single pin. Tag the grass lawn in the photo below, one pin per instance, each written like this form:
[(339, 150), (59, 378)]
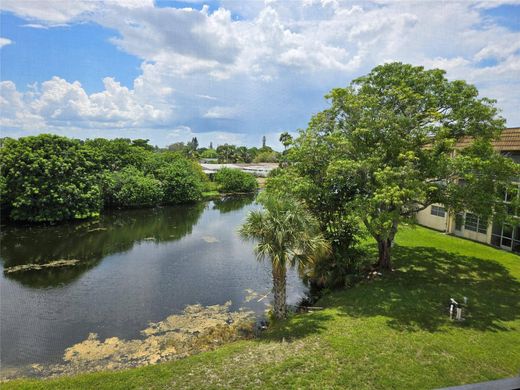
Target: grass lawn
[(390, 333)]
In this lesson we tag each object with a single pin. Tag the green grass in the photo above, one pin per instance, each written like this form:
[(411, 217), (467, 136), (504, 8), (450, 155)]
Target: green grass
[(208, 195), (390, 333)]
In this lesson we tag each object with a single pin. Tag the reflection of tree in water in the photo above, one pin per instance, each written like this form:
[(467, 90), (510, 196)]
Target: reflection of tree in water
[(91, 241), (232, 203)]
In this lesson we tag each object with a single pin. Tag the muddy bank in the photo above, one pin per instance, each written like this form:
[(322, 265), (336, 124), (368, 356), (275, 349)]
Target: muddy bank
[(197, 329)]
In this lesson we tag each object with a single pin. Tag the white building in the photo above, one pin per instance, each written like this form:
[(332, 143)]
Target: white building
[(471, 226)]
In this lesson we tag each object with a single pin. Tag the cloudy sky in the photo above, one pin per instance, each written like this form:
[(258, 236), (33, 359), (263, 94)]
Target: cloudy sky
[(231, 70)]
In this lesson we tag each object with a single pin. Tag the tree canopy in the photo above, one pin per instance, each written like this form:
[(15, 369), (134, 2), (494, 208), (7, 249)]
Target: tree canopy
[(49, 178), (389, 146)]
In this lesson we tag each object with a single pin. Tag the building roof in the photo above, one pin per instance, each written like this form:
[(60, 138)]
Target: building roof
[(509, 141)]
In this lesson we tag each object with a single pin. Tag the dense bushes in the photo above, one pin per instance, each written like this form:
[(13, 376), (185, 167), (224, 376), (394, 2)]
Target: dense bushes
[(131, 188), (234, 180), (183, 181), (49, 178), (119, 153), (268, 156)]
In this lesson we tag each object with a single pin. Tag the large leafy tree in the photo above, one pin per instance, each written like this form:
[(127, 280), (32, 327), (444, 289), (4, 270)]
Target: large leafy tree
[(182, 181), (227, 153), (287, 235), (131, 188), (390, 146), (116, 154), (49, 178)]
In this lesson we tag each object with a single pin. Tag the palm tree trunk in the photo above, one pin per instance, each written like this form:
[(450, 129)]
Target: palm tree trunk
[(279, 289)]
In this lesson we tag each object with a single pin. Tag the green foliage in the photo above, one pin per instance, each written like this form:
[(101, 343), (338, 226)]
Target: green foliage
[(142, 143), (340, 270), (235, 154), (326, 199), (286, 234), (119, 153), (49, 178), (234, 180), (183, 181), (286, 139), (227, 153), (269, 156), (386, 149), (3, 190), (209, 153), (131, 188)]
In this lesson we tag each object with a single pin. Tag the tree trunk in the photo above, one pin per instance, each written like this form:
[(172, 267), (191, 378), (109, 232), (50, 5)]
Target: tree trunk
[(279, 287), (384, 247)]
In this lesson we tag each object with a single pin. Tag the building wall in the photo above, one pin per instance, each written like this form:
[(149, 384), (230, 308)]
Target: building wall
[(447, 224), (425, 218), (475, 236)]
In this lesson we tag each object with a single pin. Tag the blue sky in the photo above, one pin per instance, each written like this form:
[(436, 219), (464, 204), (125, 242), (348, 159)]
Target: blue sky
[(231, 71)]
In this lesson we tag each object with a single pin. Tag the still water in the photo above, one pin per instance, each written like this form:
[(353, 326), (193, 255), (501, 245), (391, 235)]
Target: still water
[(136, 267)]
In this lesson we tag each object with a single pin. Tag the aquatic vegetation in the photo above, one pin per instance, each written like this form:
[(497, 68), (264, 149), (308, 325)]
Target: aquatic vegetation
[(36, 267), (198, 328)]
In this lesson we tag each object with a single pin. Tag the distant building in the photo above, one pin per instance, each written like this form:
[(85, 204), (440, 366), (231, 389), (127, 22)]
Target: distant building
[(256, 169), (471, 226)]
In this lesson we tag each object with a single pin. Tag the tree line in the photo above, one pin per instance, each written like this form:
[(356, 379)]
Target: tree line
[(49, 178), (227, 153)]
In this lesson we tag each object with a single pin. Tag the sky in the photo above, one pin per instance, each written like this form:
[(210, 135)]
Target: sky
[(231, 71)]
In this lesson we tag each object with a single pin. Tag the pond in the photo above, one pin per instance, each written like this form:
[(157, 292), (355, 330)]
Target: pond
[(135, 267)]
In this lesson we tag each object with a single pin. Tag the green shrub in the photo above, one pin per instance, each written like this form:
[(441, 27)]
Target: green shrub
[(266, 156), (119, 153), (49, 178), (131, 188), (209, 153), (234, 180), (340, 270), (183, 181)]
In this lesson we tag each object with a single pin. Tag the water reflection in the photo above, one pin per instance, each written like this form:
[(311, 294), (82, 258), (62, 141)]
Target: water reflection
[(232, 203), (136, 267), (90, 241)]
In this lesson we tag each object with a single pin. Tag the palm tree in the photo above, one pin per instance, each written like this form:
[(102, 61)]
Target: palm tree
[(287, 235), (285, 139)]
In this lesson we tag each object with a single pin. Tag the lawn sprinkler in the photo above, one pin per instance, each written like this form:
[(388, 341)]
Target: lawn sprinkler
[(456, 309)]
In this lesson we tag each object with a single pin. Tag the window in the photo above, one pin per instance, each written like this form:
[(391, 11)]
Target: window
[(475, 223), (438, 211), (482, 225), (459, 221), (471, 222)]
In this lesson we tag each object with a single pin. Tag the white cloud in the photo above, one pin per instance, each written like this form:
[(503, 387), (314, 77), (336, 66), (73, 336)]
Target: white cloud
[(222, 112), (5, 41), (58, 103), (266, 65), (60, 12)]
